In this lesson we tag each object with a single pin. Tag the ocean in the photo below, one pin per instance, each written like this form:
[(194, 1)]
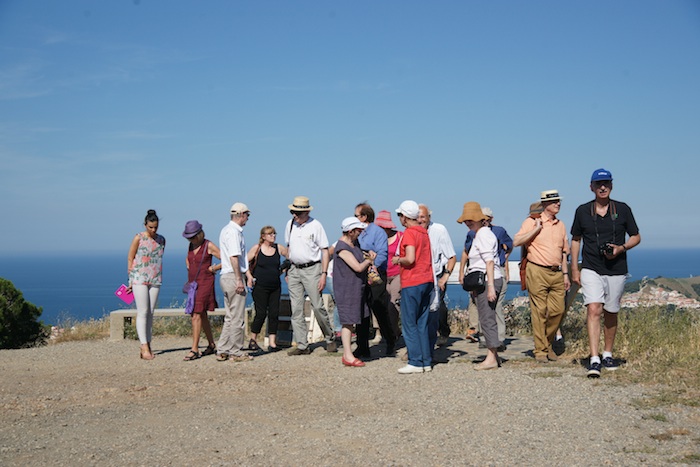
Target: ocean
[(81, 286)]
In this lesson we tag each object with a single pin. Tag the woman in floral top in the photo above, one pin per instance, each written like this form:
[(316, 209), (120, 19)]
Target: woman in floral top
[(145, 267)]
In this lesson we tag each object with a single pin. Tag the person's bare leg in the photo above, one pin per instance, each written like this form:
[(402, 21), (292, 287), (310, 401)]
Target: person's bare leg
[(206, 326), (196, 331), (346, 339), (610, 330), (594, 311)]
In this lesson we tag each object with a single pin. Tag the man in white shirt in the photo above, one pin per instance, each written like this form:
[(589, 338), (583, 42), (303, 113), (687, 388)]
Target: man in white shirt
[(308, 252), (444, 260), (235, 276)]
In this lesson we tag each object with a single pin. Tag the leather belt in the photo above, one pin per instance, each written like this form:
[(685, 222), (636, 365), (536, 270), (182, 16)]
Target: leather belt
[(551, 268), (306, 265)]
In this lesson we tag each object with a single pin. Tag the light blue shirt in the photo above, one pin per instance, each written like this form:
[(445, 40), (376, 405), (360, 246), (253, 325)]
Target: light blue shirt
[(374, 238)]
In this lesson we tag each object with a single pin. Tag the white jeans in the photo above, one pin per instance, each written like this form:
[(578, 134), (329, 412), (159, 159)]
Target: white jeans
[(146, 297)]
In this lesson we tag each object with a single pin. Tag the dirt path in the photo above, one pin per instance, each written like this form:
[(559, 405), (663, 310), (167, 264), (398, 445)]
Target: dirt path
[(96, 403)]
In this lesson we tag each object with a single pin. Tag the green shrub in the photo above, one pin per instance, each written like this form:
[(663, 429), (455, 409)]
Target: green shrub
[(19, 324)]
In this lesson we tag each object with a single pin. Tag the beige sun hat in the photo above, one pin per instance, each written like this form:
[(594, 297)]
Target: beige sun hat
[(300, 203), (471, 212)]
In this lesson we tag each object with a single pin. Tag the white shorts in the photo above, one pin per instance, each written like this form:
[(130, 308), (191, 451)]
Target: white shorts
[(602, 289)]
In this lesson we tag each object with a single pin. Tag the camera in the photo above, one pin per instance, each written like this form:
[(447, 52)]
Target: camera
[(606, 249)]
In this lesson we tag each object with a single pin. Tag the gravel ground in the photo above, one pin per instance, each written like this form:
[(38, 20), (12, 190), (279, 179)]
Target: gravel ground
[(97, 403)]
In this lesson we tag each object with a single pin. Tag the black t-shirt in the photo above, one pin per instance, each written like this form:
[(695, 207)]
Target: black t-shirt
[(597, 231)]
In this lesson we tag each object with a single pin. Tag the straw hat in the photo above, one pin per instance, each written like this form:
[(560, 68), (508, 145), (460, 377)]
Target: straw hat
[(300, 203), (536, 208), (471, 212), (550, 195)]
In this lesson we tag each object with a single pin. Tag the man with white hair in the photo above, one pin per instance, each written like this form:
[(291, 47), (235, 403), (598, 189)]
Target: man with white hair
[(547, 272), (308, 251)]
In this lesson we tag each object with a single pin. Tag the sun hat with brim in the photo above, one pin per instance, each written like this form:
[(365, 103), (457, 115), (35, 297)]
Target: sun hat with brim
[(351, 223), (600, 175), (384, 221), (239, 208), (487, 212), (550, 195), (471, 212), (300, 203), (192, 228), (536, 208), (409, 209)]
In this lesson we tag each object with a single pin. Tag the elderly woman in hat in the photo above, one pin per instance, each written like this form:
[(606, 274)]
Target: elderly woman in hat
[(201, 270), (483, 259), (349, 281), (417, 284)]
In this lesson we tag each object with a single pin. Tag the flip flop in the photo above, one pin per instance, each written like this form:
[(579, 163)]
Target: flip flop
[(192, 355)]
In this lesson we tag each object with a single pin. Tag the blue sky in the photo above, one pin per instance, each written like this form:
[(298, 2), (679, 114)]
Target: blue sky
[(110, 108)]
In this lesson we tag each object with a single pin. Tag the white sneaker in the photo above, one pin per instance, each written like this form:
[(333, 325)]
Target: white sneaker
[(427, 369), (408, 369)]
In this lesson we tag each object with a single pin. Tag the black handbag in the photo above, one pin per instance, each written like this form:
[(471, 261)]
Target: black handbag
[(475, 281)]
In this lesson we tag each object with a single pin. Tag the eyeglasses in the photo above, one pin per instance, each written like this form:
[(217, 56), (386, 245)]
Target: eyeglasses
[(600, 183), (270, 233), (295, 213)]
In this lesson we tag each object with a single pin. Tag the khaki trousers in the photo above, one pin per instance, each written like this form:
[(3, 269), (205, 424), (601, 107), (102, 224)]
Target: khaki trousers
[(546, 290)]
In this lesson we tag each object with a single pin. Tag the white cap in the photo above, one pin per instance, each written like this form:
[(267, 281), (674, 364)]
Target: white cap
[(239, 208), (409, 209), (487, 212), (350, 223)]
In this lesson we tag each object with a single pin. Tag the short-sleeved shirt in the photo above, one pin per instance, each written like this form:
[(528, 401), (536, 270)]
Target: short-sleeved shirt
[(232, 243), (550, 243), (484, 249), (440, 246), (504, 241), (597, 231), (421, 271), (306, 241)]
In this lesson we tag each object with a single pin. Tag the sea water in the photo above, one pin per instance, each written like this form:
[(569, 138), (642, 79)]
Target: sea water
[(81, 286)]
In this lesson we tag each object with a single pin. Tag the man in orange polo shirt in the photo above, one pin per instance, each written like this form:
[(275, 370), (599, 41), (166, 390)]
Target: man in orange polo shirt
[(547, 273)]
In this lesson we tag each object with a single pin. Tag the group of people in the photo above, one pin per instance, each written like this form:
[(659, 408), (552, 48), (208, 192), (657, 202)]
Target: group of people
[(381, 271)]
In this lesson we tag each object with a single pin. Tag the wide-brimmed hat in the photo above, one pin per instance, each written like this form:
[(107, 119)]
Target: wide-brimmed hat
[(384, 221), (300, 203), (239, 208), (409, 209), (471, 212), (536, 208), (601, 174), (550, 195), (351, 223), (192, 228)]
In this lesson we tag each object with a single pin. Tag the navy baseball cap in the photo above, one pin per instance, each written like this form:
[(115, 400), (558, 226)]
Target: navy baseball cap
[(601, 174)]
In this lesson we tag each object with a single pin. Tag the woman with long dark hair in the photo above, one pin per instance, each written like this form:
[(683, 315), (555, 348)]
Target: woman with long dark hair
[(145, 269)]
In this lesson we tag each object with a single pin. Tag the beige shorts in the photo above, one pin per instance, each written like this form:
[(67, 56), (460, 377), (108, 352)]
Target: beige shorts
[(602, 289)]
